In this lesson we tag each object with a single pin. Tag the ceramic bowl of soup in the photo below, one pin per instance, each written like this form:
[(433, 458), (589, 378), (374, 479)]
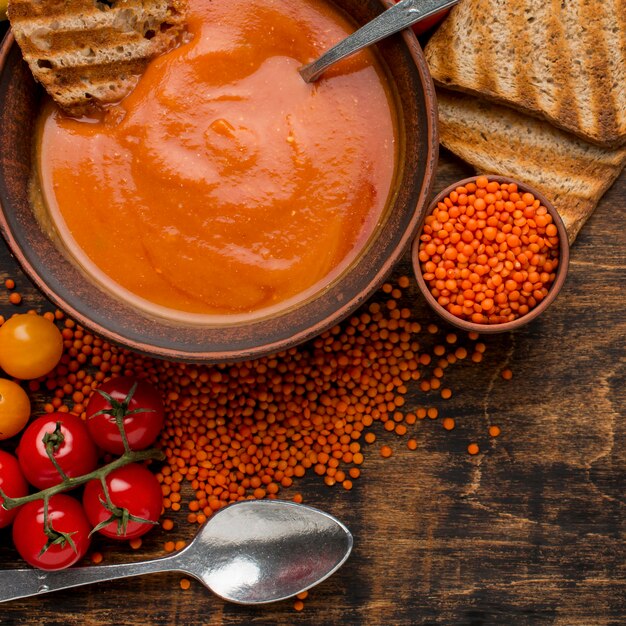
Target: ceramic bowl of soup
[(225, 209)]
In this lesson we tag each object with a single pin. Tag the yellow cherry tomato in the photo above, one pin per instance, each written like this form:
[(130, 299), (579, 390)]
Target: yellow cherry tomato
[(14, 408), (30, 346)]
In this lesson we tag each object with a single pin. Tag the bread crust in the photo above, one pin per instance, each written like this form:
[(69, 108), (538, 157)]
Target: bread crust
[(89, 53)]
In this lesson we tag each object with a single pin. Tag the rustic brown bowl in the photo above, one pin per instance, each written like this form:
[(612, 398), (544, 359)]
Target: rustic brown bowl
[(68, 288), (559, 279)]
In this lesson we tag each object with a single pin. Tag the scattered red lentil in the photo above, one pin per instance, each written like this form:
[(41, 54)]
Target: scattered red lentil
[(460, 353), (96, 558), (185, 583), (473, 448), (507, 374), (448, 423), (248, 430), (15, 298), (488, 253), (136, 543), (494, 431), (9, 283), (298, 605), (446, 393)]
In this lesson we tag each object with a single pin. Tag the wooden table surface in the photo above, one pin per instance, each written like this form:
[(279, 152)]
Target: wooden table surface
[(530, 531)]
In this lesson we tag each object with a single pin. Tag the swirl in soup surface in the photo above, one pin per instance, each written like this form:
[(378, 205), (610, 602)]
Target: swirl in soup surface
[(224, 185)]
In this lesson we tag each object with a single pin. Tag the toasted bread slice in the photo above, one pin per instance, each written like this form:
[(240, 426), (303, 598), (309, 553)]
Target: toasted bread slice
[(564, 61), (90, 52), (572, 173)]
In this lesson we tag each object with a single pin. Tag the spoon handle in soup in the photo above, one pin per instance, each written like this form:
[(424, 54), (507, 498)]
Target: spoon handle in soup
[(397, 18), (23, 583)]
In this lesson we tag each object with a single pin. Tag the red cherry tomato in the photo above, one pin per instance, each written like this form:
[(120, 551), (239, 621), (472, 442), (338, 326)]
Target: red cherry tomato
[(72, 447), (13, 484), (430, 22), (65, 515), (132, 487), (143, 414)]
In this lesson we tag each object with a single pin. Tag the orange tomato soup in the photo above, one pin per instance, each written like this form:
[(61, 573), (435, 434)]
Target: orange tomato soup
[(224, 185)]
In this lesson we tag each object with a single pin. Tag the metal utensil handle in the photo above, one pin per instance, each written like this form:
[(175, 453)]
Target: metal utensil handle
[(398, 17), (23, 583)]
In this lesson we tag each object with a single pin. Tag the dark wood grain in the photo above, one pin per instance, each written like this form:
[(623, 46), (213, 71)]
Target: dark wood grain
[(531, 531)]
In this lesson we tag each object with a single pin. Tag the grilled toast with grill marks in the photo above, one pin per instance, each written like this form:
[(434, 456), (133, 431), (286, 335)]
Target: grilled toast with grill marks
[(563, 60), (91, 52), (571, 172)]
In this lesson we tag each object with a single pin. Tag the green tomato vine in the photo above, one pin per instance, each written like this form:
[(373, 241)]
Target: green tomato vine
[(53, 441)]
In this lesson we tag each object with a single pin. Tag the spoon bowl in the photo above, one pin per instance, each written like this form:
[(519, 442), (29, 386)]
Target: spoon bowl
[(266, 550), (251, 552)]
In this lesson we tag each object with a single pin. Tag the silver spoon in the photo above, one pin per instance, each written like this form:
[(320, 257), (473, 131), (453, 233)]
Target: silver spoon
[(252, 552), (398, 17)]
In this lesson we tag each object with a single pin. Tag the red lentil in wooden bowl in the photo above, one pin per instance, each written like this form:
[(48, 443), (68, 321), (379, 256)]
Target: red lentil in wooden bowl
[(492, 254)]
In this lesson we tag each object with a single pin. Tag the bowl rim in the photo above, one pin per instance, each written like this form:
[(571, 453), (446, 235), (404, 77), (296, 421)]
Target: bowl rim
[(317, 326), (554, 290)]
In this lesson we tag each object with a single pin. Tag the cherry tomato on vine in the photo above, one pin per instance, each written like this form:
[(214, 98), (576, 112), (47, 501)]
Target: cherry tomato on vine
[(14, 408), (132, 487), (67, 539), (424, 26), (430, 22), (30, 346), (142, 415), (68, 439), (13, 483)]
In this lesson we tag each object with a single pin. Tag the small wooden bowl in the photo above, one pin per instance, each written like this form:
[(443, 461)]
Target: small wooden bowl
[(113, 318), (559, 279)]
